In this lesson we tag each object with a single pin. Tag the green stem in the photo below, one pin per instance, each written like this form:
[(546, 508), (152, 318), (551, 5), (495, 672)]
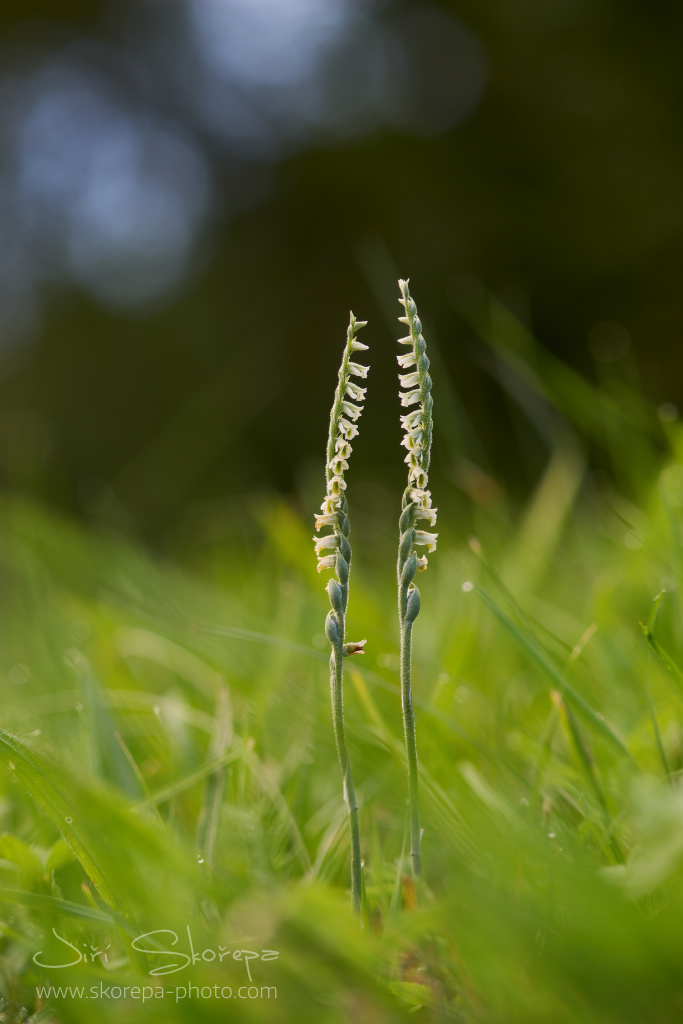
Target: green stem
[(337, 694), (409, 730)]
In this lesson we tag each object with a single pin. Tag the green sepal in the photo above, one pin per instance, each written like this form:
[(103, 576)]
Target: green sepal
[(336, 595), (407, 541), (413, 605), (344, 547), (407, 516), (342, 569), (409, 570), (333, 629)]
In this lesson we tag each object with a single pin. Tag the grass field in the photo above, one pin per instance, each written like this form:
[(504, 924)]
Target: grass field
[(168, 760)]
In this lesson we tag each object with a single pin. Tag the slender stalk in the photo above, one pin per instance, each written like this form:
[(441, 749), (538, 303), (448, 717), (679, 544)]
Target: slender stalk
[(337, 695), (417, 504), (411, 741), (334, 552)]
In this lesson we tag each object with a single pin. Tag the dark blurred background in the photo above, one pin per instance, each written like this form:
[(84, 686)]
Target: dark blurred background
[(193, 193)]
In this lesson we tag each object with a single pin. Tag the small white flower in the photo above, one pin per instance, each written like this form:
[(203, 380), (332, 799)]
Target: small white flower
[(325, 543), (413, 420), (413, 439), (426, 513), (419, 477), (422, 537), (338, 465), (411, 398), (421, 563), (336, 485), (406, 360), (343, 448), (329, 519), (356, 369), (409, 380), (408, 340), (353, 391), (420, 497), (330, 505), (328, 562), (351, 410), (403, 319), (358, 346), (414, 458), (346, 429)]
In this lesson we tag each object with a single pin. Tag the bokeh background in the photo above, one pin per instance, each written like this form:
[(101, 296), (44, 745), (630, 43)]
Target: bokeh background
[(194, 193)]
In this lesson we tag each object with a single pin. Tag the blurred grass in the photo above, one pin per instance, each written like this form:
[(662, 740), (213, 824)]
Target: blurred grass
[(168, 754)]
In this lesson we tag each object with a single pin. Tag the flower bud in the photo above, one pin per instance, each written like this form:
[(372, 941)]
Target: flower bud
[(342, 569), (406, 544), (413, 606), (408, 571), (332, 629), (336, 595), (348, 650), (344, 547), (406, 519)]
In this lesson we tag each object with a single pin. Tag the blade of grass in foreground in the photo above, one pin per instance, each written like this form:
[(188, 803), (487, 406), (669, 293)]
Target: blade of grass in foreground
[(55, 905), (129, 862), (207, 827), (42, 781), (663, 656), (550, 669), (648, 631), (189, 780), (588, 765)]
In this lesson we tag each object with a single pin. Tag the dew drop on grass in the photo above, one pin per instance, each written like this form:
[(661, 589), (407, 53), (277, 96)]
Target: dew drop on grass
[(467, 586), (551, 835), (68, 820), (11, 766), (200, 860)]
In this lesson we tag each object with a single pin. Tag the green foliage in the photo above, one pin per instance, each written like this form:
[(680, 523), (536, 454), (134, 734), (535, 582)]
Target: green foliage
[(179, 717)]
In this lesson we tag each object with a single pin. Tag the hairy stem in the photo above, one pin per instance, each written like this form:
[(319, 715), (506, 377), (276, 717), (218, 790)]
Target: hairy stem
[(337, 695), (409, 731)]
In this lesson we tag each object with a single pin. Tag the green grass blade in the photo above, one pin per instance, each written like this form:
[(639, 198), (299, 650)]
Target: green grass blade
[(190, 779), (207, 828), (55, 905), (44, 783), (553, 673)]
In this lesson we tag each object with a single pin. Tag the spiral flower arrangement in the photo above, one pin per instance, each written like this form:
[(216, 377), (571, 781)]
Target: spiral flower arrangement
[(416, 391), (334, 552)]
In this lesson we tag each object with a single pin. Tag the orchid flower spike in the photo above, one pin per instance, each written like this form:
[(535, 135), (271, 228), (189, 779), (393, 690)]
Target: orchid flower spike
[(416, 395), (334, 552), (417, 425)]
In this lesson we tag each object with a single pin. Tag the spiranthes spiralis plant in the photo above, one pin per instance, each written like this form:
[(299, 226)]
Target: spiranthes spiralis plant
[(416, 506), (334, 552)]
